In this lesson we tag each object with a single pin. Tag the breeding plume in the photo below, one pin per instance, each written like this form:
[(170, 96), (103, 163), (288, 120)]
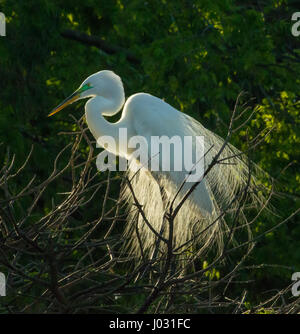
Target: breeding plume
[(149, 117)]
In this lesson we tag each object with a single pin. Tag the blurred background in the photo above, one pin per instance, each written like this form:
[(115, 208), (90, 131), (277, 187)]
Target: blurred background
[(196, 55)]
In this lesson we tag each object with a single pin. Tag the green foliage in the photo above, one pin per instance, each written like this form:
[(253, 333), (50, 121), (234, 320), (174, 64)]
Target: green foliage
[(197, 55)]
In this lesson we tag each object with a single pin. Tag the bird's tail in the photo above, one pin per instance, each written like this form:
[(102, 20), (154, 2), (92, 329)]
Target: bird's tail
[(147, 220), (233, 185)]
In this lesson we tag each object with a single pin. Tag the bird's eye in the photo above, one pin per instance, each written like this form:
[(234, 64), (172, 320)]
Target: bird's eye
[(86, 87)]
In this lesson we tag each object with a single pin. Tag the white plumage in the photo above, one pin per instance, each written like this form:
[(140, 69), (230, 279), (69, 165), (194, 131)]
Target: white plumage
[(147, 116)]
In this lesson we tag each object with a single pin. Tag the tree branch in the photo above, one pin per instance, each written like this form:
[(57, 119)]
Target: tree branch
[(99, 43)]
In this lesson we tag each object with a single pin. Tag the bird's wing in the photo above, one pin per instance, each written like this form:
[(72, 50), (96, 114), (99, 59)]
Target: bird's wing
[(154, 117), (199, 218)]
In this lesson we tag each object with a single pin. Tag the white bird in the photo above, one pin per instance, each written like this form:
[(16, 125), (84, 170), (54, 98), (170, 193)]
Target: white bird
[(146, 115)]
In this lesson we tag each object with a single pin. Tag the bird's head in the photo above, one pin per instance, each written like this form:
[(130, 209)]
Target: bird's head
[(98, 84)]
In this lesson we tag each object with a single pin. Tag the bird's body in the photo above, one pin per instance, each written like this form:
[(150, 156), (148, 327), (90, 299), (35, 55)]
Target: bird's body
[(147, 116)]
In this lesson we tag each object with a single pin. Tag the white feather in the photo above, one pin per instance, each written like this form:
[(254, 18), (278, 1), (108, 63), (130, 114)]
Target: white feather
[(148, 116)]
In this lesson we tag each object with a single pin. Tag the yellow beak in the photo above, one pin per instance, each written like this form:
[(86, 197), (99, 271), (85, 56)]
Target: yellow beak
[(70, 99)]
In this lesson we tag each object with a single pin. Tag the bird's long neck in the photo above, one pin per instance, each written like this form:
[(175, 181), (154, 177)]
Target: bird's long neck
[(95, 108)]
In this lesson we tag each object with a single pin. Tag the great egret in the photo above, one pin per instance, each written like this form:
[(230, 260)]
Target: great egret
[(146, 115)]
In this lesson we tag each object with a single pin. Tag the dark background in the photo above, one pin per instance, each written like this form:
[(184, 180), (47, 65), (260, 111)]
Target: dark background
[(196, 55)]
